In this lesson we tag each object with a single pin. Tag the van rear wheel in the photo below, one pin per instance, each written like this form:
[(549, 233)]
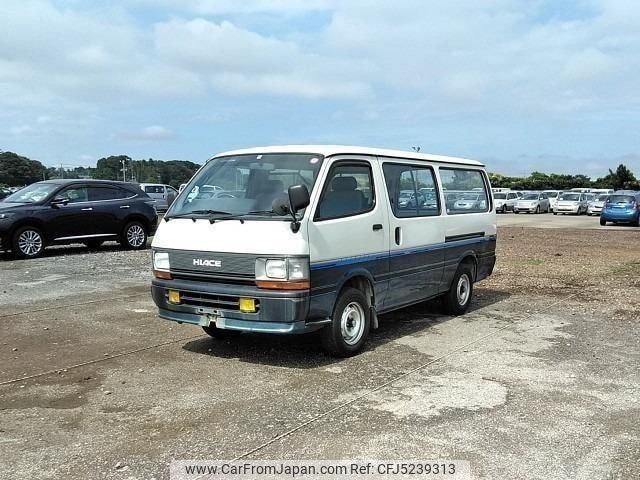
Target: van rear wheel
[(457, 300), (350, 325)]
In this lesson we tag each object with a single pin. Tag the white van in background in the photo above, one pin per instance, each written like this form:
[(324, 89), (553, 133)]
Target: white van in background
[(322, 238)]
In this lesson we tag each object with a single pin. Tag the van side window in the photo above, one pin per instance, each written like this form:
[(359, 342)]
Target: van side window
[(412, 190), (348, 191), (465, 191)]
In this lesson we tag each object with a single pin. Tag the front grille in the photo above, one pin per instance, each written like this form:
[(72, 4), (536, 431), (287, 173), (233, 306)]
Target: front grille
[(210, 300), (230, 279)]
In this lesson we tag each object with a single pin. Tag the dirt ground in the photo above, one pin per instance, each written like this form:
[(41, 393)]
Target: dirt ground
[(540, 380)]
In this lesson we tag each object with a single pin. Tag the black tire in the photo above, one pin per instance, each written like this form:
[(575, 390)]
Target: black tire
[(219, 333), (555, 213), (134, 236), (516, 212), (537, 210), (453, 302), (352, 310), (27, 242), (504, 209), (636, 222), (94, 244), (603, 222)]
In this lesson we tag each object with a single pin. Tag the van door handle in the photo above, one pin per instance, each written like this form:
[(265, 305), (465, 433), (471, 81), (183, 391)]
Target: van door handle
[(398, 239), (88, 209), (377, 226), (124, 206)]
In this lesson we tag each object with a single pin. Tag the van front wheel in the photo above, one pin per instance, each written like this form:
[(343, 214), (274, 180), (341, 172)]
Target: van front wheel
[(350, 325), (457, 300)]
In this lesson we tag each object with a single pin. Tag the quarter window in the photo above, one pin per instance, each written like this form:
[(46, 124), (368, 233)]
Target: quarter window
[(97, 194), (348, 191), (465, 191), (412, 190)]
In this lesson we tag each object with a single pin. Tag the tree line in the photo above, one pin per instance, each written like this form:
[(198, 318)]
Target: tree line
[(17, 170), (619, 179)]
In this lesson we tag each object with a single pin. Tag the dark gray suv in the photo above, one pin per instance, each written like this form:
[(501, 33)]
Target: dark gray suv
[(75, 211)]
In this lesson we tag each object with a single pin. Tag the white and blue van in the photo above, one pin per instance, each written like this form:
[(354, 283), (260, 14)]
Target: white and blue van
[(292, 239)]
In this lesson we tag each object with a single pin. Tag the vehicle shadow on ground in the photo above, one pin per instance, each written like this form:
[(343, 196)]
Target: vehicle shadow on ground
[(304, 351), (75, 249)]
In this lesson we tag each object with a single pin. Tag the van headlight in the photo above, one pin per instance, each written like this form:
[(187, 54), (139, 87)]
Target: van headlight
[(283, 273), (161, 265)]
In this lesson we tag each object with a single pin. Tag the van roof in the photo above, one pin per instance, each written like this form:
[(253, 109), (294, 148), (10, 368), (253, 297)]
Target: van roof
[(329, 150)]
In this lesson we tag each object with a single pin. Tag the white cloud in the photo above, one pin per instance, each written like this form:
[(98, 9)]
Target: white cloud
[(152, 133)]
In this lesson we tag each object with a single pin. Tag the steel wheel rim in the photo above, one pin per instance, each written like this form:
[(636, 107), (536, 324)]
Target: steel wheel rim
[(135, 235), (464, 289), (30, 242), (352, 323)]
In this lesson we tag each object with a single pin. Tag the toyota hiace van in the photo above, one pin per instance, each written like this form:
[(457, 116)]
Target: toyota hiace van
[(293, 239)]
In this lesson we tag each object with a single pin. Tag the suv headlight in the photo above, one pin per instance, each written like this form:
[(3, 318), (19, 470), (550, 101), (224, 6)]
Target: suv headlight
[(283, 273), (161, 265)]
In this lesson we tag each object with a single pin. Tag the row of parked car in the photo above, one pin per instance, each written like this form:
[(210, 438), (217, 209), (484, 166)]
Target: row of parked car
[(616, 207), (91, 212)]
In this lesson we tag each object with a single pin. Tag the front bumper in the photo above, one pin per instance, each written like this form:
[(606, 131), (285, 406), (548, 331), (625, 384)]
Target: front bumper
[(525, 209), (594, 210), (562, 209), (281, 312)]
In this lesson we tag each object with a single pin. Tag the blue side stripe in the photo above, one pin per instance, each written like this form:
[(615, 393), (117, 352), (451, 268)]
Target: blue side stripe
[(339, 262)]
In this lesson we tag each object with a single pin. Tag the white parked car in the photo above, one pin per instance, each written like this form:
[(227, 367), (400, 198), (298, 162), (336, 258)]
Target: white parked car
[(532, 203), (571, 202), (505, 201), (594, 207), (163, 195), (552, 195)]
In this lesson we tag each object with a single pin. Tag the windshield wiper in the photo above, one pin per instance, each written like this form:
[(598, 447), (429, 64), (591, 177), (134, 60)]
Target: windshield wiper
[(238, 216), (196, 212)]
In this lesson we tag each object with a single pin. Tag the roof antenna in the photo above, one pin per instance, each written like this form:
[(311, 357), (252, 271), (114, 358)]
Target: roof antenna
[(416, 149)]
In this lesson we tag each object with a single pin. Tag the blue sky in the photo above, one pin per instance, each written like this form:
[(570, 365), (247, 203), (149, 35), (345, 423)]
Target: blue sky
[(521, 84)]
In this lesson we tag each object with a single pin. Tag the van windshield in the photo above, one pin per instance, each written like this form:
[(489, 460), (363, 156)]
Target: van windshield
[(500, 196), (245, 184)]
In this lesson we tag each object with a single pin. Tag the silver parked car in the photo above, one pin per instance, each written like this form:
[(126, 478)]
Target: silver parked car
[(594, 207), (505, 201), (571, 202), (163, 195), (536, 202)]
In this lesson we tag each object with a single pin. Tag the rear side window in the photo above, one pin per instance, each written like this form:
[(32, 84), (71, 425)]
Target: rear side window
[(154, 189), (412, 190), (465, 191), (348, 191), (97, 194)]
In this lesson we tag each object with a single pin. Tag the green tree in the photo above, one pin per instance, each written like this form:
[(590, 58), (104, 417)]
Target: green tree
[(16, 170)]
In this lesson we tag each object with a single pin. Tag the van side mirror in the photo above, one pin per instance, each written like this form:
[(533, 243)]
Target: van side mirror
[(298, 197), (56, 202)]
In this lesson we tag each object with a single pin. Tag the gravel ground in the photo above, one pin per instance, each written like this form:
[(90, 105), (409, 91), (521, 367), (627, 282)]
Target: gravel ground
[(538, 380)]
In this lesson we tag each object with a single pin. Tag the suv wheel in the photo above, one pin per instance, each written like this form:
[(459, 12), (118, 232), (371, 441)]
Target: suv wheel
[(350, 325), (28, 242), (134, 236)]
